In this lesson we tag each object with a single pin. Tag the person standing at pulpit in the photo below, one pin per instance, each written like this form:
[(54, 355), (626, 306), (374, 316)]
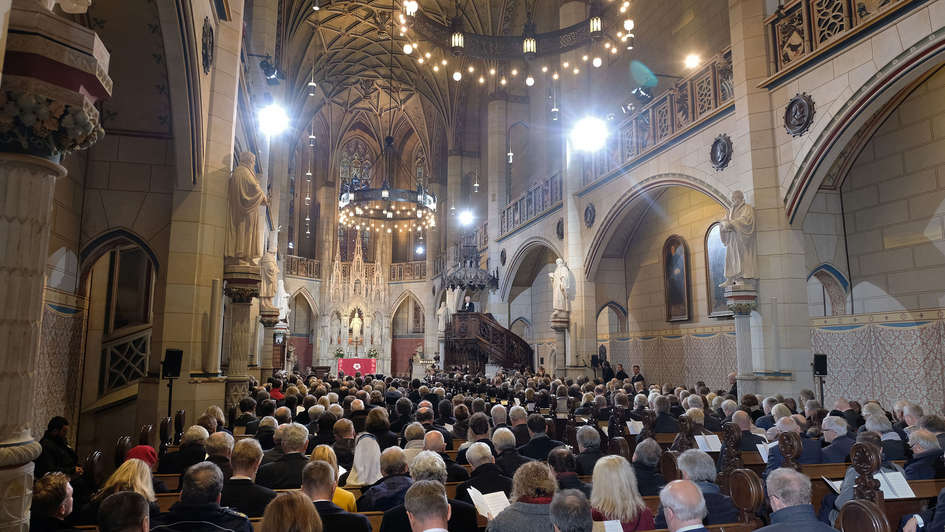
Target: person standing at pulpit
[(468, 305)]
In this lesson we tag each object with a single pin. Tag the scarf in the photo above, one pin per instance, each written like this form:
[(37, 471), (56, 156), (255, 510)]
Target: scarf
[(535, 500)]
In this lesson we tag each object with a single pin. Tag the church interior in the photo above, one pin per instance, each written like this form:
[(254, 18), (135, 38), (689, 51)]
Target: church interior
[(201, 200)]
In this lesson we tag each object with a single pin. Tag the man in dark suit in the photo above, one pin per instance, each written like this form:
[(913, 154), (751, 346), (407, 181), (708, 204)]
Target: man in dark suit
[(810, 448), (425, 418), (540, 444), (265, 407), (192, 451), (427, 507), (404, 410), (219, 448), (621, 374), (318, 484), (479, 425), (932, 519), (390, 489), (468, 305), (433, 441), (839, 440), (684, 506), (199, 507), (588, 440), (561, 460), (697, 467), (664, 423), (645, 463), (637, 376), (508, 458), (286, 472), (518, 417), (789, 496), (344, 442), (926, 462), (241, 492), (429, 466), (486, 476)]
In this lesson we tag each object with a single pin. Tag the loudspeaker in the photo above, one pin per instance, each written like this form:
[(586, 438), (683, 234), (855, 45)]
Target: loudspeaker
[(820, 365), (170, 367), (595, 361)]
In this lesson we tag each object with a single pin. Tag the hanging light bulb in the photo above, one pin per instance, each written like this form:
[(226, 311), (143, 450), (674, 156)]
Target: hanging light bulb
[(482, 80), (457, 76), (628, 24), (408, 49), (411, 7), (595, 24), (529, 80), (597, 62), (457, 39), (311, 87), (308, 176)]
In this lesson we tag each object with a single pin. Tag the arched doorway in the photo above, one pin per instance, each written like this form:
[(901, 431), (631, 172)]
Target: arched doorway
[(528, 292), (407, 329), (303, 328), (611, 333)]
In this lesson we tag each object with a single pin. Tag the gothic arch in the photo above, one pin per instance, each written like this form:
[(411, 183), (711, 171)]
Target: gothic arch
[(615, 216), (302, 291), (99, 245), (527, 324), (835, 284), (523, 251), (862, 113), (401, 298)]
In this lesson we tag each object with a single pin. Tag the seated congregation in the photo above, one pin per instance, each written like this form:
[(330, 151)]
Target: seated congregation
[(362, 454)]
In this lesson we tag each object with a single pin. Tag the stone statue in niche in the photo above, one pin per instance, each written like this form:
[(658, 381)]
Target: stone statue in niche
[(368, 330), (442, 316), (560, 285), (738, 235), (244, 197), (282, 298), (355, 327), (269, 273)]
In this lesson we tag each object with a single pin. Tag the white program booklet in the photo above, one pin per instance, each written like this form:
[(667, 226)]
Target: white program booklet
[(709, 444), (893, 485), (607, 526), (764, 449), (490, 504), (636, 427), (604, 428), (341, 470), (448, 427)]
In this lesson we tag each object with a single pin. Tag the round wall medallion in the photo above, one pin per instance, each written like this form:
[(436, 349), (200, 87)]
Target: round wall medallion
[(559, 228), (589, 214), (207, 45), (721, 153), (799, 114), (502, 256)]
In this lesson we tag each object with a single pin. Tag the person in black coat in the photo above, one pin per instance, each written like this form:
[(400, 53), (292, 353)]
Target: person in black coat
[(664, 422), (127, 510), (486, 477), (52, 502), (561, 460), (620, 375), (645, 463), (637, 376), (588, 440), (932, 519), (433, 441), (926, 462), (192, 451), (607, 372), (425, 418), (344, 442), (697, 467), (240, 491), (468, 305), (378, 425), (840, 441), (540, 444), (429, 466), (404, 410), (56, 454), (247, 415), (198, 509), (749, 440), (508, 458), (286, 472), (479, 426)]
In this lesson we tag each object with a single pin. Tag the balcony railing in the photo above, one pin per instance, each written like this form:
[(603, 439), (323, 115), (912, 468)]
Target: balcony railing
[(802, 29), (124, 360), (303, 267), (537, 200), (439, 264), (482, 236), (689, 102), (408, 271)]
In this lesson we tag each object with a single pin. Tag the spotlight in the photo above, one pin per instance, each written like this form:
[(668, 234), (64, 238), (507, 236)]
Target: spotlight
[(420, 250), (544, 69), (410, 7), (597, 62), (482, 79), (692, 61), (466, 218), (408, 48), (272, 119), (589, 134), (269, 71), (471, 69), (642, 94), (457, 75), (628, 24), (529, 81)]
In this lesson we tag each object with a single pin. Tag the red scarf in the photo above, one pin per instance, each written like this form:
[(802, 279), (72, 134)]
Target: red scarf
[(535, 500)]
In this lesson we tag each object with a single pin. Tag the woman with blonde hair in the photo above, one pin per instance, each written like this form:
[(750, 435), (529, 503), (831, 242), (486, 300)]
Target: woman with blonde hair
[(291, 512), (533, 487), (133, 475), (342, 497), (615, 497), (216, 412)]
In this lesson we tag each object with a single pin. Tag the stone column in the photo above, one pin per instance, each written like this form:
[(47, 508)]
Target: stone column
[(269, 318), (559, 323), (211, 363), (742, 300), (242, 285), (56, 69)]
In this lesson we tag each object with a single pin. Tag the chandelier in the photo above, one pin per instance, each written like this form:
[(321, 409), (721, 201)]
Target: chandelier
[(386, 209)]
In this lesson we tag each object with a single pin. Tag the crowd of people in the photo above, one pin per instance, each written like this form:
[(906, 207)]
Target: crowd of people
[(322, 441)]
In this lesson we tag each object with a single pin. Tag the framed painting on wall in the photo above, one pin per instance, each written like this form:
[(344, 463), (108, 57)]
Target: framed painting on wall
[(715, 272), (676, 278)]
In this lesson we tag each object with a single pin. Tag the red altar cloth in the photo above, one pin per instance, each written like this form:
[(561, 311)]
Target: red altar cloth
[(352, 365)]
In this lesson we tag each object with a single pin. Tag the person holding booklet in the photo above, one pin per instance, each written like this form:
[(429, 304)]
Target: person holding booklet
[(831, 505), (533, 486), (486, 476)]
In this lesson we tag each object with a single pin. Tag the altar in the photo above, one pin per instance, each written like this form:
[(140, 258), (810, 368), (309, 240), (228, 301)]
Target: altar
[(350, 366)]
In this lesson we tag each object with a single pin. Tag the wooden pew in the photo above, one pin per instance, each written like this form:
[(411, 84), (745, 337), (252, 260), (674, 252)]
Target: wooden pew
[(166, 500), (171, 480)]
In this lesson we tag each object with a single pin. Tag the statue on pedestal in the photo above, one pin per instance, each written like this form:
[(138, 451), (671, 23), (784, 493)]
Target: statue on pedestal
[(282, 298), (244, 197), (355, 327), (269, 273), (738, 234), (560, 285)]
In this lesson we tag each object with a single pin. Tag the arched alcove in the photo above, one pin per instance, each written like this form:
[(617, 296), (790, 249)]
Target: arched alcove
[(407, 331)]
